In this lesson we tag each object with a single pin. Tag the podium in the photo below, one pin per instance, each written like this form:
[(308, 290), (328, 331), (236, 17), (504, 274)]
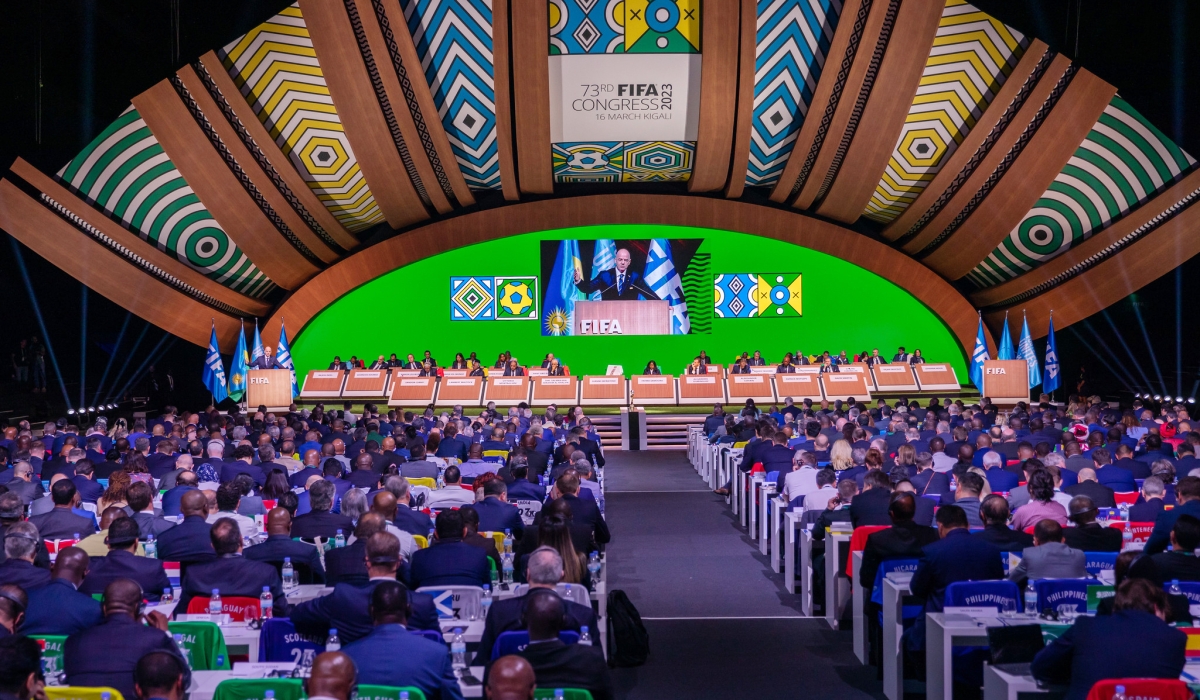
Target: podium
[(269, 387), (611, 317), (556, 390), (1006, 381), (844, 385), (320, 383)]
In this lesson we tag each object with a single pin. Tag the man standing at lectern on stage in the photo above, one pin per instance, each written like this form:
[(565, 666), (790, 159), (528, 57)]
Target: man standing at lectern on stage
[(267, 361), (619, 283)]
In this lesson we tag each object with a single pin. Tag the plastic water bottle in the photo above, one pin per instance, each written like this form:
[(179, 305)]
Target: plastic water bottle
[(266, 604), (167, 595), (268, 694), (429, 537), (507, 564), (458, 651), (151, 547), (507, 541), (559, 693), (594, 569), (1174, 589), (77, 537), (183, 650), (486, 601), (289, 574), (584, 637), (1126, 537), (441, 481), (403, 695), (333, 643), (1120, 694), (214, 603), (1124, 508), (1030, 599), (340, 540)]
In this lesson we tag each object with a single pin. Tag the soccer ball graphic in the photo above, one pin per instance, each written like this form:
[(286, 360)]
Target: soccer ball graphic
[(587, 160), (515, 298)]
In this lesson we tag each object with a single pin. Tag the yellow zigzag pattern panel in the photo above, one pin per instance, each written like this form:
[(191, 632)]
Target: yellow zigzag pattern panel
[(971, 57), (276, 68)]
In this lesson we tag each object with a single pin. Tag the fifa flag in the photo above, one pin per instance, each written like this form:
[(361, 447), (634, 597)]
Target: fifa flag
[(256, 351), (1005, 350), (283, 353), (978, 356), (604, 258), (664, 281), (1053, 379), (558, 313), (214, 370), (239, 367), (1025, 352)]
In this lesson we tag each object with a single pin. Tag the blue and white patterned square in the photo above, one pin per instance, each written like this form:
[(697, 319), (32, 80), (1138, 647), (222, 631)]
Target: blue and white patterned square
[(587, 26), (472, 299), (736, 295)]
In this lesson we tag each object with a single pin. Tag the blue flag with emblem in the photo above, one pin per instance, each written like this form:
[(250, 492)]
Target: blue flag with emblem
[(283, 353), (1005, 350), (978, 356), (664, 281), (1026, 352), (1053, 380), (239, 367), (558, 313), (214, 370), (604, 258), (256, 351)]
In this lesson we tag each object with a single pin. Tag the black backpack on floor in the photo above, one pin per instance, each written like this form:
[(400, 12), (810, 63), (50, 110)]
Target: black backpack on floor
[(628, 640)]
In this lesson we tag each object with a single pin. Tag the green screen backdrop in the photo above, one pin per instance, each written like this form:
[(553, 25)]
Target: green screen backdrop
[(844, 308)]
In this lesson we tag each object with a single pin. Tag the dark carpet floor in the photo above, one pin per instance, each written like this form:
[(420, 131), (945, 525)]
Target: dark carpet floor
[(721, 623)]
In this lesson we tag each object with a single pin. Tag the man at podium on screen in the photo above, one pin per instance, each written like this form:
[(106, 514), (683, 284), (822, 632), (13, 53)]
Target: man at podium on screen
[(267, 361), (618, 283)]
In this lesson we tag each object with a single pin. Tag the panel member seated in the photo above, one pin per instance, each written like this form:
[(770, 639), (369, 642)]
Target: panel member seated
[(618, 283), (652, 368)]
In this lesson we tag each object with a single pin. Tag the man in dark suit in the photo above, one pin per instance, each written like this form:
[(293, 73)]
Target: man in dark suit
[(1151, 505), (364, 475), (346, 608), (62, 523), (312, 467), (955, 557), (1125, 460), (495, 512), (903, 540), (267, 360), (1088, 486), (585, 515), (618, 283), (189, 541), (1087, 535), (994, 512), (778, 456), (521, 488), (85, 483), (122, 561), (928, 482), (161, 462), (871, 507), (1179, 564), (279, 545), (391, 655), (555, 663), (448, 561), (543, 570), (21, 545), (140, 499), (106, 655), (59, 607), (589, 447), (1085, 653), (231, 573), (414, 522), (536, 459), (349, 564), (1187, 498), (320, 521), (243, 463)]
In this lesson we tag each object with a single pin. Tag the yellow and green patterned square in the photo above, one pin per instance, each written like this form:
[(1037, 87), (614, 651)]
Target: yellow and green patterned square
[(778, 295)]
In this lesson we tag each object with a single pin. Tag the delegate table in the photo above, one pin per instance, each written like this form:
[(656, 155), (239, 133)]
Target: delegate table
[(894, 377), (370, 383), (413, 391), (834, 555), (556, 390), (702, 388), (323, 384), (766, 492), (799, 386), (845, 384), (895, 587), (467, 391), (605, 390), (506, 390), (653, 389), (750, 386)]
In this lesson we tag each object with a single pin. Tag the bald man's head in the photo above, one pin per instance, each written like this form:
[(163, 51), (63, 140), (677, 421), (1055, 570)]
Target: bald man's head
[(279, 522), (511, 678), (332, 676), (122, 597), (384, 504), (110, 514), (71, 564), (194, 503)]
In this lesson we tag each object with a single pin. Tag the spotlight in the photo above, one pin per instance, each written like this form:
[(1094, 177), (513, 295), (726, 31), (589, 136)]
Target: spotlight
[(112, 406), (1157, 397), (91, 409), (1191, 399), (70, 411), (1178, 399)]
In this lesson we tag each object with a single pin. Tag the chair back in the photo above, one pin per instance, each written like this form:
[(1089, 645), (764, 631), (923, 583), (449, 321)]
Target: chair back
[(426, 481), (52, 650), (1095, 562), (421, 540), (1128, 498), (497, 536), (529, 509), (1141, 688), (1141, 530), (515, 642), (574, 592), (55, 546), (797, 502), (772, 477), (431, 635), (77, 692), (568, 693), (256, 688), (238, 608), (1053, 592), (279, 641), (886, 567), (388, 692), (858, 542), (499, 457), (1191, 589), (977, 594), (455, 602)]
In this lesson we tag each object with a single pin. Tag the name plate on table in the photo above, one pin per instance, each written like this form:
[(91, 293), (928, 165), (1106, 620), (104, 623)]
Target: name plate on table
[(556, 381), (459, 382), (893, 368), (334, 374), (414, 382), (508, 381), (971, 611), (934, 368), (361, 374), (694, 379), (794, 378), (807, 369), (751, 379), (858, 369), (661, 380), (762, 369), (222, 619), (836, 378), (609, 380)]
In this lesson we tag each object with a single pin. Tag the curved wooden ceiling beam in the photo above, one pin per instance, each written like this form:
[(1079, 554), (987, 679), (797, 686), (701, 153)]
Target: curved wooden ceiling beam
[(680, 210), (718, 95), (531, 94), (744, 123), (886, 109)]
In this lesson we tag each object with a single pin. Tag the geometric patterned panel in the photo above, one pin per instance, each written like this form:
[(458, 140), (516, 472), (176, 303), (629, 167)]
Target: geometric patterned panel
[(472, 298), (1123, 162), (792, 39), (125, 172), (624, 26), (623, 161), (971, 58), (454, 41), (275, 67)]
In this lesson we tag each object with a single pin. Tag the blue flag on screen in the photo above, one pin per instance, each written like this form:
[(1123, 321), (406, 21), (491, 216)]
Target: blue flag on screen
[(604, 258), (1026, 352), (1005, 350), (1053, 380), (256, 351), (558, 313), (214, 370), (283, 353), (978, 356), (239, 367), (664, 281)]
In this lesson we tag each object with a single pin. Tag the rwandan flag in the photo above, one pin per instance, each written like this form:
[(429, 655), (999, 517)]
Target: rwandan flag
[(214, 370), (283, 353), (558, 311), (239, 367)]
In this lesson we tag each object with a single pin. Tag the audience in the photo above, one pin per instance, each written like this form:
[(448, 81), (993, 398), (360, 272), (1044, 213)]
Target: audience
[(122, 561), (543, 571), (279, 545), (1049, 557), (555, 663), (448, 561), (231, 573), (59, 608), (332, 677)]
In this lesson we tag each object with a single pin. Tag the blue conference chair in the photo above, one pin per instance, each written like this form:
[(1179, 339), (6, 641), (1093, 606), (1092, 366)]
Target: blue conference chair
[(431, 635), (908, 613), (977, 594), (279, 641), (1099, 561), (514, 642), (1053, 592)]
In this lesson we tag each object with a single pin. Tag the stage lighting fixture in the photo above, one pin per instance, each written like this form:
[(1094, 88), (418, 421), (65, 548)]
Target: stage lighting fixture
[(70, 411), (1178, 399), (91, 409), (1157, 397), (1191, 399)]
